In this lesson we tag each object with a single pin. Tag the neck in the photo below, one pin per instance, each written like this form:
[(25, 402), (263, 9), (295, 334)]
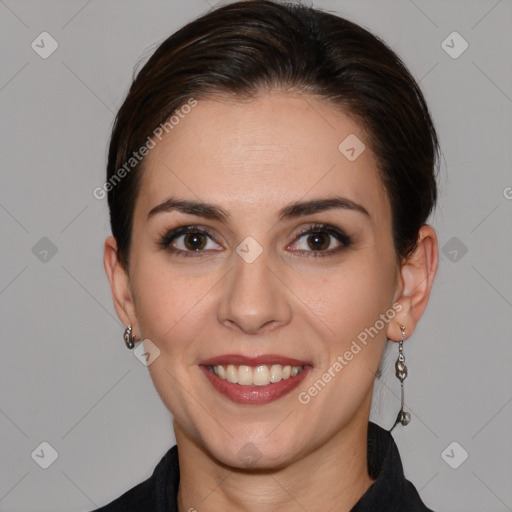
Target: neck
[(335, 474)]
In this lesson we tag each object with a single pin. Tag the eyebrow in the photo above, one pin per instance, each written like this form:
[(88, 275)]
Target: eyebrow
[(291, 211)]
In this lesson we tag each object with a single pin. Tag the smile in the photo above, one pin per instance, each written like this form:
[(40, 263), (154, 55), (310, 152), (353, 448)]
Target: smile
[(254, 381), (259, 376)]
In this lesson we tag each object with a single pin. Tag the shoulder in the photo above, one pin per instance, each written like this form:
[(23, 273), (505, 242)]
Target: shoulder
[(137, 498), (147, 495), (390, 491)]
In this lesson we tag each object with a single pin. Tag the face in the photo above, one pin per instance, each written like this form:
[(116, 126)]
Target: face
[(262, 274)]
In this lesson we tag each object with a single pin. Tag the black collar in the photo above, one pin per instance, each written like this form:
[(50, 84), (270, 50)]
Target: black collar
[(390, 492)]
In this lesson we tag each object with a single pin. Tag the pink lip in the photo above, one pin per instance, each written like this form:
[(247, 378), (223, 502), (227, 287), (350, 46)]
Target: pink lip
[(237, 359), (254, 395)]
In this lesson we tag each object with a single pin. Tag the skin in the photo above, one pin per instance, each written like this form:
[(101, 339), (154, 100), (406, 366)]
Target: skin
[(253, 158)]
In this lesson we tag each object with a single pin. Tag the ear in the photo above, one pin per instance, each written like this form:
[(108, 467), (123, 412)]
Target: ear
[(416, 277), (119, 284)]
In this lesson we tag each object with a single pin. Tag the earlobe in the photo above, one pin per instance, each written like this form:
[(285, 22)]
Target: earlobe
[(119, 282), (417, 275)]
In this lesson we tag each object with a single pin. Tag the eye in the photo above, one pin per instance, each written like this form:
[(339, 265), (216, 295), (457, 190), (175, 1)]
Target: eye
[(315, 241), (322, 240), (188, 241)]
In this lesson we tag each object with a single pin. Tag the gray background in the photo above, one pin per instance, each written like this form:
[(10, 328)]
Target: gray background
[(66, 377)]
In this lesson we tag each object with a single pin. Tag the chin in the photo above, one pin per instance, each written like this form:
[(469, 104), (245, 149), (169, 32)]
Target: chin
[(252, 456)]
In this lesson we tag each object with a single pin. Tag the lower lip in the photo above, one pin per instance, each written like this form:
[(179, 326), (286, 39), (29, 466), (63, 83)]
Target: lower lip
[(255, 395)]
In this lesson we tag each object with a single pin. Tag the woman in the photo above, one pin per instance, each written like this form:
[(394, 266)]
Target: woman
[(269, 179)]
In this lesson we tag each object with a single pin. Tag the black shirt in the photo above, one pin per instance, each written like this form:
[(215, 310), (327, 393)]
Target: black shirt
[(389, 492)]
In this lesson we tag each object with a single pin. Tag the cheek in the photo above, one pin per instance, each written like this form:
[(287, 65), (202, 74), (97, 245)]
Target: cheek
[(171, 307), (169, 302), (350, 296)]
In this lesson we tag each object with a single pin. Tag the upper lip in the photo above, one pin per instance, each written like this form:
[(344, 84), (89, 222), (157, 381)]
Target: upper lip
[(238, 359)]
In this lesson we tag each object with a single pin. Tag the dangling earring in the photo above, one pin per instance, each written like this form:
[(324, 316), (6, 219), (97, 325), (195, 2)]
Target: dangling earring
[(128, 338), (401, 372)]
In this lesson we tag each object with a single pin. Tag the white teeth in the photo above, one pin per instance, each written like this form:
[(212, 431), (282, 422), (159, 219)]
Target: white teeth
[(261, 376), (231, 374), (276, 373), (244, 375), (258, 376)]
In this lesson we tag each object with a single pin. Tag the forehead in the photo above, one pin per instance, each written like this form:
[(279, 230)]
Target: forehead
[(261, 154)]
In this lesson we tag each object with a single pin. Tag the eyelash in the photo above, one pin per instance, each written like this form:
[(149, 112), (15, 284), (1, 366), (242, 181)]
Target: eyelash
[(167, 238)]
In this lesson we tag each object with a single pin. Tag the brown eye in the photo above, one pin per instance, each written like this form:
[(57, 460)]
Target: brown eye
[(321, 240), (189, 241), (318, 241), (194, 241)]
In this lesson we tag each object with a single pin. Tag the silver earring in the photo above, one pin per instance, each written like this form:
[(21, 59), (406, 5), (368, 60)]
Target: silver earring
[(128, 337), (401, 373)]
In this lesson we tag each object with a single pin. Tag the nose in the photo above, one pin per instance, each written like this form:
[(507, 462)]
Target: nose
[(254, 299)]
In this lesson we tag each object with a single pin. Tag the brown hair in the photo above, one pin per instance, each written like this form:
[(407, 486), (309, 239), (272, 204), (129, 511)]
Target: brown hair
[(248, 47)]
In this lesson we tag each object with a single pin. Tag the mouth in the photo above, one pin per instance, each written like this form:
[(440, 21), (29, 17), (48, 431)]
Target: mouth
[(254, 380), (261, 375)]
